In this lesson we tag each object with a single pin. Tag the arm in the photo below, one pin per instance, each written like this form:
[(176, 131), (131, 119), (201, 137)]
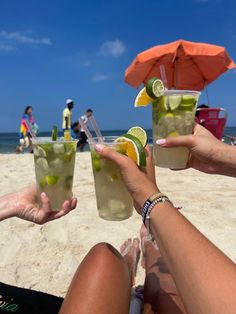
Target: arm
[(66, 119), (24, 204), (207, 153), (205, 277)]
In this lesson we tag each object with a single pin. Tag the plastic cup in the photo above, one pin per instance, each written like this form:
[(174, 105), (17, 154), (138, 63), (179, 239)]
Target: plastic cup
[(113, 200), (54, 169), (173, 114)]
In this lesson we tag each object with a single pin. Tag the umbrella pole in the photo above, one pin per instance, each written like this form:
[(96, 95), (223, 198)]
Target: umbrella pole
[(207, 95)]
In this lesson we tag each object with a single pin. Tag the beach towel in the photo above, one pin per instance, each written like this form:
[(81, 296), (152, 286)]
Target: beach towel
[(26, 301)]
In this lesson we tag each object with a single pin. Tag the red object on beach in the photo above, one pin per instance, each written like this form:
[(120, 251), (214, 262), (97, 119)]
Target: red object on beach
[(213, 119), (188, 65)]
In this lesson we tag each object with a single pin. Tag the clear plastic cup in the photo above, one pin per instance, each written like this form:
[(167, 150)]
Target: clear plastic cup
[(173, 114), (54, 169), (113, 200)]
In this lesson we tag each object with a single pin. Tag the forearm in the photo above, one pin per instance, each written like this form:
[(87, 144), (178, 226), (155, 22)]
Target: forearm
[(8, 204), (205, 277), (226, 158)]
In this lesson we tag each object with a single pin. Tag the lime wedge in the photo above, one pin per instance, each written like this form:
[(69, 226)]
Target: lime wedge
[(134, 149), (140, 133), (155, 87), (142, 99), (54, 133), (188, 102), (51, 180), (174, 101)]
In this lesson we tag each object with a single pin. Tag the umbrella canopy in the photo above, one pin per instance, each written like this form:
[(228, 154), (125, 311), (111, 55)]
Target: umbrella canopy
[(188, 65)]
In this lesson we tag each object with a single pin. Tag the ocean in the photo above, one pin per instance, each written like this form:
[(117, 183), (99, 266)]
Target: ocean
[(9, 141)]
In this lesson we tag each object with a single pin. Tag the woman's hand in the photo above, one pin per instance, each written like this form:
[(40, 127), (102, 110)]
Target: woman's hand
[(207, 153), (140, 184), (24, 204)]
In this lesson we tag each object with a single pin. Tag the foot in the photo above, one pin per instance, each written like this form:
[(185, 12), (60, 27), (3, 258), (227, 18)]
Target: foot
[(145, 239), (131, 253)]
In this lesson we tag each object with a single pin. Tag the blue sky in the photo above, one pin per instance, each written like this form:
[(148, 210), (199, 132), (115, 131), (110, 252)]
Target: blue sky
[(56, 49)]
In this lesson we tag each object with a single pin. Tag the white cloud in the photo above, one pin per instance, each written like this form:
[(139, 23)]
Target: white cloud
[(113, 48), (85, 63), (7, 48), (24, 39), (100, 77)]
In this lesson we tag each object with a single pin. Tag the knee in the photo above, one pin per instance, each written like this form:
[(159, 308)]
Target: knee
[(105, 252)]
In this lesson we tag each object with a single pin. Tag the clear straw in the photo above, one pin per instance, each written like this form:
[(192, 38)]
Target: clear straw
[(30, 129), (163, 75), (95, 126), (86, 130)]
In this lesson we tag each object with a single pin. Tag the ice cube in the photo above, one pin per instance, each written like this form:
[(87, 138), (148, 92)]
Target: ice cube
[(116, 206), (39, 151), (59, 148), (57, 165), (189, 117), (42, 164), (179, 122)]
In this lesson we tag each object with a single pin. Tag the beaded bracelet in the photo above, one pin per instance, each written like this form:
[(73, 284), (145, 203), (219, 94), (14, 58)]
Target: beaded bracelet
[(148, 206)]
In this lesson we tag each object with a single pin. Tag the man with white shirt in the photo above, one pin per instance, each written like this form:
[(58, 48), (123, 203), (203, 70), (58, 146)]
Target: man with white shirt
[(83, 136)]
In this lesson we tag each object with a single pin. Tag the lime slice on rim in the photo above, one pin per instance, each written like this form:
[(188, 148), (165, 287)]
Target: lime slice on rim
[(133, 149), (142, 99), (140, 133), (155, 87)]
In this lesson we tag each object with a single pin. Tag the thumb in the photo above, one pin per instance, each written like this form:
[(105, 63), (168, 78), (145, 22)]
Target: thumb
[(111, 154), (177, 141)]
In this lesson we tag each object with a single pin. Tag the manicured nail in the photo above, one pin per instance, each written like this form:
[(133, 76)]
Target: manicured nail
[(161, 141), (99, 148)]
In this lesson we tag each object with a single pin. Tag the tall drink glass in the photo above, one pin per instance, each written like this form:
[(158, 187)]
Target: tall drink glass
[(113, 200), (173, 114), (54, 168)]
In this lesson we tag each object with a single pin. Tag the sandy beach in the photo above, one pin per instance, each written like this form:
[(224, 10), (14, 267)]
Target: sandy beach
[(45, 257)]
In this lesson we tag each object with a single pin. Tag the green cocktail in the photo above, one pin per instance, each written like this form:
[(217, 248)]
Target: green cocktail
[(173, 114), (113, 200), (54, 168)]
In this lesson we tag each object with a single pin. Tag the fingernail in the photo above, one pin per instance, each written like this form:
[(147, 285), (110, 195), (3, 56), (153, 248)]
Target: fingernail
[(99, 148), (161, 141)]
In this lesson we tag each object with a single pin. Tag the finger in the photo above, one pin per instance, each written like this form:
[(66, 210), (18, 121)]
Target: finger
[(150, 168), (66, 207), (177, 141), (46, 206), (73, 203), (110, 154)]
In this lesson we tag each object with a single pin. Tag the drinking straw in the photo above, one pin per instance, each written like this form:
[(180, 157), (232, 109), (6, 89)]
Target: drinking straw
[(86, 130), (95, 126), (30, 129), (163, 75)]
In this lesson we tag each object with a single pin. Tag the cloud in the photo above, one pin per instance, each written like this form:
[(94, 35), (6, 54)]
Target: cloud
[(100, 77), (85, 63), (112, 48), (24, 39), (7, 48)]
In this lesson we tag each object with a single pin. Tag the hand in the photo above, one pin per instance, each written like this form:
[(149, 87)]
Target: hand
[(140, 183), (27, 206), (206, 151)]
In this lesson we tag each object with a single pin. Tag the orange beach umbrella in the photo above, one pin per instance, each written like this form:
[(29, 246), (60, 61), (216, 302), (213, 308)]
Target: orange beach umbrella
[(188, 65)]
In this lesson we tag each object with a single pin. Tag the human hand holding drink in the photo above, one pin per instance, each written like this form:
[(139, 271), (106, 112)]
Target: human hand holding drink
[(173, 114), (54, 168), (113, 199)]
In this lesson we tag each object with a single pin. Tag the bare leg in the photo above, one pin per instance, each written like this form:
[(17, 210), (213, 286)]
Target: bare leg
[(102, 283), (160, 292)]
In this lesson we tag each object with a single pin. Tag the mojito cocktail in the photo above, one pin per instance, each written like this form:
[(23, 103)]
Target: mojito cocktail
[(54, 168), (173, 114), (113, 200)]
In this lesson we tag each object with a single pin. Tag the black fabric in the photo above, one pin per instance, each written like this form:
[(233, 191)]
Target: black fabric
[(26, 301), (83, 138)]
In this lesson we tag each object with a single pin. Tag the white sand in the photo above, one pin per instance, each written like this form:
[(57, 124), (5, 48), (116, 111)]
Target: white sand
[(45, 257)]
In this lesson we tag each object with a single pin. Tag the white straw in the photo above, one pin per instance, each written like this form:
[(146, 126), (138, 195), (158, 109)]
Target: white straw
[(163, 75), (86, 130), (95, 126)]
